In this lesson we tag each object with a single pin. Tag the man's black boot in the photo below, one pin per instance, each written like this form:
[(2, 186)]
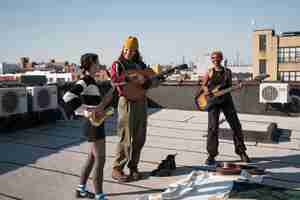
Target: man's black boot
[(210, 161)]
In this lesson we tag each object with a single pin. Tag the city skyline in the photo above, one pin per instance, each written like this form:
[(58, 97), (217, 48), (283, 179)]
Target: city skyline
[(167, 30)]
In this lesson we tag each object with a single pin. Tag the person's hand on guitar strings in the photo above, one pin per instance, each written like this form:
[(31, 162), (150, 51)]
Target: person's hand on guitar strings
[(98, 110), (137, 78), (99, 113), (206, 91), (95, 108)]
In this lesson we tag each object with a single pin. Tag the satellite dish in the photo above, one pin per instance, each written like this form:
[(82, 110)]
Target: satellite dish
[(261, 77)]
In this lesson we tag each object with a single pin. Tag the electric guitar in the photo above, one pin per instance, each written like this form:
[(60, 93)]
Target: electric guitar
[(136, 92), (204, 102)]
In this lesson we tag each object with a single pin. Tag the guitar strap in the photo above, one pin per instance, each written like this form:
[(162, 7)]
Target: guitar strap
[(123, 68), (222, 82), (100, 93), (224, 79)]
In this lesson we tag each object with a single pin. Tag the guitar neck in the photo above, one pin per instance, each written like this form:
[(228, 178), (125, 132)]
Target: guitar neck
[(171, 71)]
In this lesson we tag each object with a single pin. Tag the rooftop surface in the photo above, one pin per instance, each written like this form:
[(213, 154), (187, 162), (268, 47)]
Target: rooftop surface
[(44, 163)]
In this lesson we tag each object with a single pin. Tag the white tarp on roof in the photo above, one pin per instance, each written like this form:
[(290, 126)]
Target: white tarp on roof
[(197, 186)]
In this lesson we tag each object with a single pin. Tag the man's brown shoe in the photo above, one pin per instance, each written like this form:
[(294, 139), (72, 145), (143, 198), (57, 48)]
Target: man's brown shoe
[(118, 175)]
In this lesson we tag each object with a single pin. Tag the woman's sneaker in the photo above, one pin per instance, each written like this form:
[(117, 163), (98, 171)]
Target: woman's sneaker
[(101, 196)]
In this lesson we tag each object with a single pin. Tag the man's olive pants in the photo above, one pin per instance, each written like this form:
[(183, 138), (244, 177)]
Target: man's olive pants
[(132, 126)]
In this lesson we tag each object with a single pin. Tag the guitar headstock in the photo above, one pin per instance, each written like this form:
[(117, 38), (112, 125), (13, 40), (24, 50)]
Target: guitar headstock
[(181, 67), (170, 71)]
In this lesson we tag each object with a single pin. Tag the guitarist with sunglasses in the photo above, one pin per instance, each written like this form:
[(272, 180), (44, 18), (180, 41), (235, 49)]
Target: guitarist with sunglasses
[(219, 76)]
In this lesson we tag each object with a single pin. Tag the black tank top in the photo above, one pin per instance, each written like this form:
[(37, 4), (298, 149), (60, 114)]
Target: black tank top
[(219, 78)]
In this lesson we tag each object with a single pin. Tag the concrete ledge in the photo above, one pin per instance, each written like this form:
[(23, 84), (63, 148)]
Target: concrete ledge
[(266, 133)]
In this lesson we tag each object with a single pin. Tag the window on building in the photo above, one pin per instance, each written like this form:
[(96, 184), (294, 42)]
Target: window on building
[(289, 55), (280, 76), (280, 55), (262, 42), (293, 55), (297, 54), (289, 76), (297, 76), (286, 55), (262, 66), (286, 76), (292, 76)]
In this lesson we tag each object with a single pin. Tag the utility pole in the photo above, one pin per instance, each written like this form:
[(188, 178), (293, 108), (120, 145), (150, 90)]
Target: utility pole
[(237, 58)]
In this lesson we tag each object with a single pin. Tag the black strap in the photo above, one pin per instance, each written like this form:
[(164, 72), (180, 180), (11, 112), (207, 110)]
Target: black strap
[(224, 78)]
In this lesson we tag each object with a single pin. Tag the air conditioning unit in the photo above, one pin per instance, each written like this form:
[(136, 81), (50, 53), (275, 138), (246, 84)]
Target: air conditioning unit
[(12, 101), (274, 93), (42, 97)]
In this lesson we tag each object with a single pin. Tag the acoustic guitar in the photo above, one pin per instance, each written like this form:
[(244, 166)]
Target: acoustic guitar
[(97, 121), (204, 102), (132, 91), (136, 92), (91, 115)]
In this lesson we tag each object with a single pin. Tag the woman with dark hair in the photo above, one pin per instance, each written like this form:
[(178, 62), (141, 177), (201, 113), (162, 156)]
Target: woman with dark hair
[(86, 93), (132, 115)]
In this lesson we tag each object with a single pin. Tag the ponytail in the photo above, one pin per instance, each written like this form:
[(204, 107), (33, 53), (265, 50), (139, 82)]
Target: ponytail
[(86, 61)]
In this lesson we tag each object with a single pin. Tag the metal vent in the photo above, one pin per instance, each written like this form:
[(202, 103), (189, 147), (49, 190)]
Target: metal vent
[(9, 102), (43, 98), (269, 93)]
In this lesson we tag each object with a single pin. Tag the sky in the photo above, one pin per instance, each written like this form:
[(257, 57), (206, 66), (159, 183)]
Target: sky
[(169, 31)]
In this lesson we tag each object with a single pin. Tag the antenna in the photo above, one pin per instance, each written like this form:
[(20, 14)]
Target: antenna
[(253, 24), (237, 58)]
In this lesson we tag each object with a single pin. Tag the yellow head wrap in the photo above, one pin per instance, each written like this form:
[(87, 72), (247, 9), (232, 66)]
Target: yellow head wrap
[(131, 43)]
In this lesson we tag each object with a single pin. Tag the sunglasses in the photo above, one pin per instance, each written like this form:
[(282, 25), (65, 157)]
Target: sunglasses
[(130, 50)]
